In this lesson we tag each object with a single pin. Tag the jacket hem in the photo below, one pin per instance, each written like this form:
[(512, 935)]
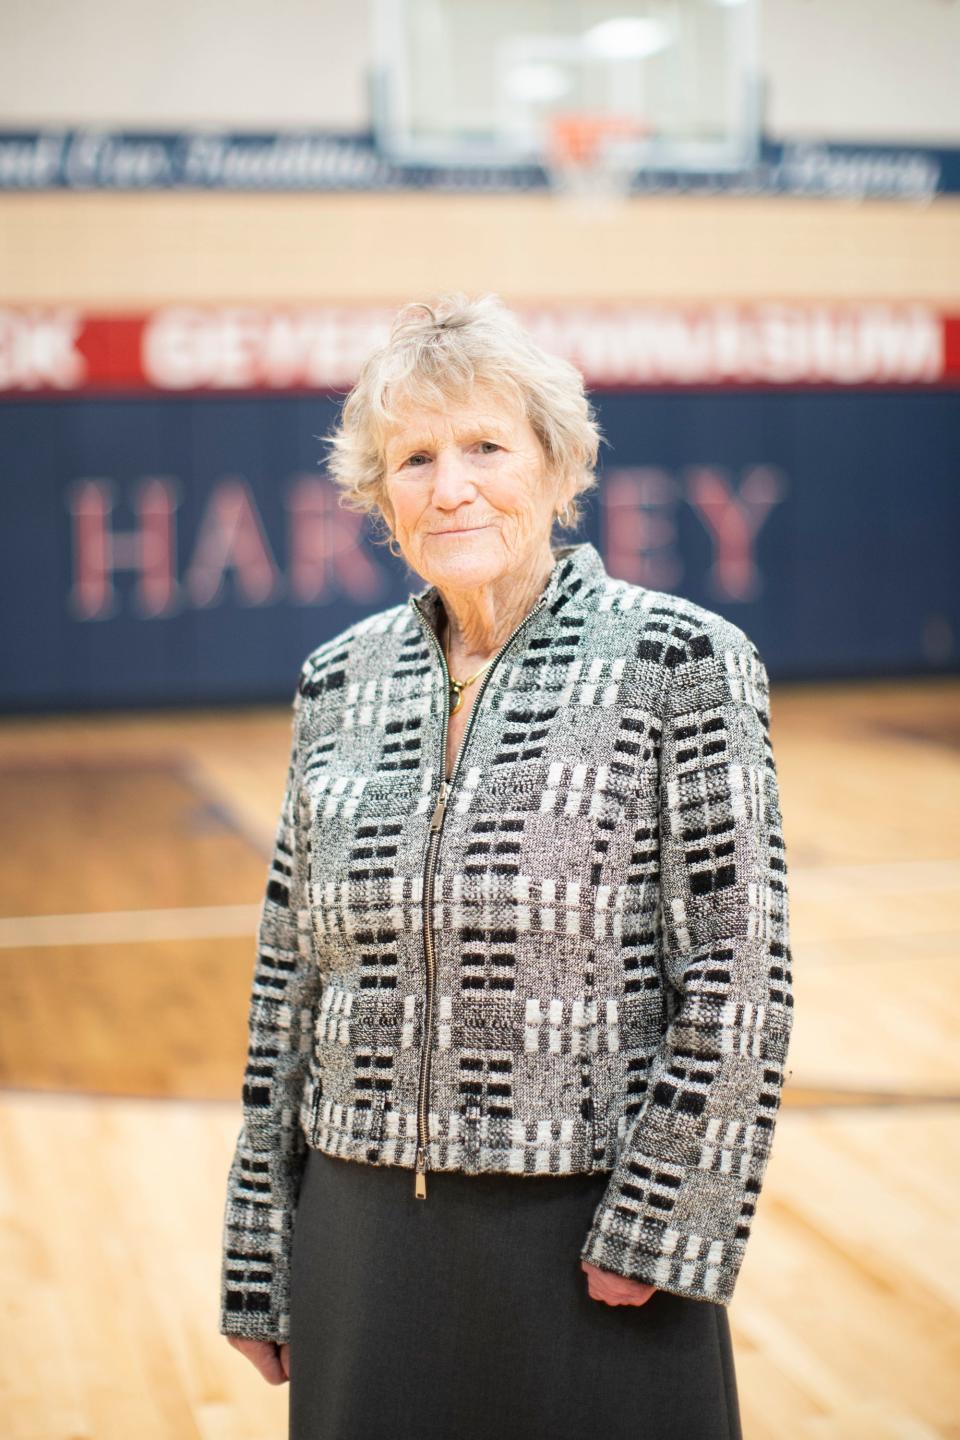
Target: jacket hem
[(449, 1155)]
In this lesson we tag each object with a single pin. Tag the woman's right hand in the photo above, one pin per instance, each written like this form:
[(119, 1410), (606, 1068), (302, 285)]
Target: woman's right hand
[(271, 1359)]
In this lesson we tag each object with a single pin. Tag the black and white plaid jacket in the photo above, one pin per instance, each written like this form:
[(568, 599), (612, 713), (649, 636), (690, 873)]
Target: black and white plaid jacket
[(576, 959)]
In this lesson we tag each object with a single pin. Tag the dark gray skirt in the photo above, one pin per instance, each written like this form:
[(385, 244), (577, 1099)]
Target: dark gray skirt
[(466, 1316)]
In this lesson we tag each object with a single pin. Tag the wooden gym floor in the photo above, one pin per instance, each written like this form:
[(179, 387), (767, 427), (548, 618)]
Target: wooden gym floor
[(135, 850)]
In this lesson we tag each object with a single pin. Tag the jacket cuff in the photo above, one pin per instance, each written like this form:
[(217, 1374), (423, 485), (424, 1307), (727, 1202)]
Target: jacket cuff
[(257, 1243), (681, 1262)]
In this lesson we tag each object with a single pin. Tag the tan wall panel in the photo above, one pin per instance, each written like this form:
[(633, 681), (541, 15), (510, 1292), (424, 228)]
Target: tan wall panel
[(116, 251)]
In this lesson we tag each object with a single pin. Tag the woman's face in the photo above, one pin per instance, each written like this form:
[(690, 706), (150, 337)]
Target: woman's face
[(467, 491)]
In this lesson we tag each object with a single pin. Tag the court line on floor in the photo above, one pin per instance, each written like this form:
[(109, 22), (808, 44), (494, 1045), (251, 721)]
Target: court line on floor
[(112, 927)]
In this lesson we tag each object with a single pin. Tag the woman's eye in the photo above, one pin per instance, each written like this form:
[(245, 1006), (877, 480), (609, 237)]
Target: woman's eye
[(487, 447)]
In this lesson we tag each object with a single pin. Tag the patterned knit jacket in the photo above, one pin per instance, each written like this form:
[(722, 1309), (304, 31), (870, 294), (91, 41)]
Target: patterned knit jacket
[(575, 957)]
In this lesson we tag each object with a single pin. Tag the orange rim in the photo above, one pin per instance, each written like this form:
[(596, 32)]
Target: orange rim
[(575, 136)]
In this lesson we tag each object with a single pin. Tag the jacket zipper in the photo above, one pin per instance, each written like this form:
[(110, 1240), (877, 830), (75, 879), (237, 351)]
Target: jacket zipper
[(433, 845)]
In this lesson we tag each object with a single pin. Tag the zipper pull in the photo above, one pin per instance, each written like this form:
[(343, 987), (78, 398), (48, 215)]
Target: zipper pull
[(421, 1182), (437, 818)]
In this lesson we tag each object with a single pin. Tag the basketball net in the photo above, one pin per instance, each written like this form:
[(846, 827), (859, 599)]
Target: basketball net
[(589, 158)]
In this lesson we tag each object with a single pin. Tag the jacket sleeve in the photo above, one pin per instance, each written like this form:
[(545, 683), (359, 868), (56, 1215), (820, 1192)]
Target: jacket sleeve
[(265, 1172), (682, 1195)]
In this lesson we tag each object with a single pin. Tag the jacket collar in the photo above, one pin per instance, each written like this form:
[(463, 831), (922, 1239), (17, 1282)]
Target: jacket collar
[(576, 567)]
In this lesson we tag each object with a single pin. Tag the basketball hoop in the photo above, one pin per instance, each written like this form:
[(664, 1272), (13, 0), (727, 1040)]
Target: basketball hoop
[(589, 155)]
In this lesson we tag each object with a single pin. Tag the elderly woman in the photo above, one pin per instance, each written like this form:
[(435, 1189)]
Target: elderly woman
[(522, 996)]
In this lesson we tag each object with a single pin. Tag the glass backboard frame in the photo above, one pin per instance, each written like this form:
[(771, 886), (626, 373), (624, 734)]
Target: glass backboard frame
[(410, 62)]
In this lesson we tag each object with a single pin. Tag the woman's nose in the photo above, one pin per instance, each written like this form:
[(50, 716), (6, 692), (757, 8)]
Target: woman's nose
[(452, 481)]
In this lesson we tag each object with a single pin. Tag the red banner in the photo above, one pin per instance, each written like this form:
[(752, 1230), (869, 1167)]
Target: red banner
[(180, 349)]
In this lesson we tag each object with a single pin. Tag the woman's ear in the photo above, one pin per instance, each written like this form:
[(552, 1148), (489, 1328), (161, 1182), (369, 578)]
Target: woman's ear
[(384, 508), (564, 492)]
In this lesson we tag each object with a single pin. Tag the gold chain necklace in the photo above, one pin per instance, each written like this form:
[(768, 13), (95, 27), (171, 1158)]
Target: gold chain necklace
[(457, 687)]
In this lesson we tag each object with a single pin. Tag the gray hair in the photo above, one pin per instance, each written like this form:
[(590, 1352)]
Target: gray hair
[(438, 352)]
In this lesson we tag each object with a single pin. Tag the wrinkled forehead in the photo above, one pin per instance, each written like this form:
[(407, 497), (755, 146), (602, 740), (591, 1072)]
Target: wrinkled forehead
[(415, 417)]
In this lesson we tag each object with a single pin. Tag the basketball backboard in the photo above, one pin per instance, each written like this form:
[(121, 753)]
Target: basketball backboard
[(670, 84)]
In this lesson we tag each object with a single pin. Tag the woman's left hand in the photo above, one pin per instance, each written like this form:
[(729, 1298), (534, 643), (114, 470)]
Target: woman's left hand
[(615, 1289)]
